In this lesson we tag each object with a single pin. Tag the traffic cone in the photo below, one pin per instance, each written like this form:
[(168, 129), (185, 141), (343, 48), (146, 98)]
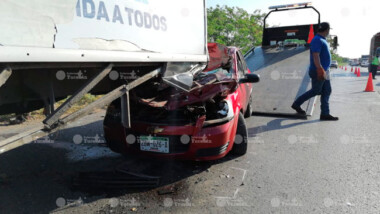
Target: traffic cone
[(369, 87), (358, 73), (346, 68), (311, 34), (352, 69)]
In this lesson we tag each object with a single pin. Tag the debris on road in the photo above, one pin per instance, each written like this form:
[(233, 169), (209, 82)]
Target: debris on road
[(224, 176), (167, 190)]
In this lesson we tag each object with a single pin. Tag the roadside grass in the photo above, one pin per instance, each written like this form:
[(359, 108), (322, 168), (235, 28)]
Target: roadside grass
[(39, 114)]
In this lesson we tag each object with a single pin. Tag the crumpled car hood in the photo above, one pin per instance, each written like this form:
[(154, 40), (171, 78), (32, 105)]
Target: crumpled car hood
[(217, 79)]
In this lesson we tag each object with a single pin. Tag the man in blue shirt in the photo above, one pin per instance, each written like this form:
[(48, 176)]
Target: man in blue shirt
[(320, 60)]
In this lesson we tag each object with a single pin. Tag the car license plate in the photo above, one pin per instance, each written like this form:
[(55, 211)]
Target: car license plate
[(154, 144)]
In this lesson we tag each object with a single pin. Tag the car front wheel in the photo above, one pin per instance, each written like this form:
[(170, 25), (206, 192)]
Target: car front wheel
[(249, 110), (241, 138)]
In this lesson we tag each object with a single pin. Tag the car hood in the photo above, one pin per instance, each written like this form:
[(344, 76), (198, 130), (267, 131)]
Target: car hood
[(205, 87), (218, 79)]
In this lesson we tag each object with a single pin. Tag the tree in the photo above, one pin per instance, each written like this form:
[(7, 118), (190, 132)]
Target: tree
[(334, 55), (233, 26)]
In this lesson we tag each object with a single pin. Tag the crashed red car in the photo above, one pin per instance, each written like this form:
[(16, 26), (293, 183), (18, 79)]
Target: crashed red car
[(204, 123)]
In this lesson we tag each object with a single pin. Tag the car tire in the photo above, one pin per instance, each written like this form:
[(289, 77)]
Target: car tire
[(115, 146), (241, 138), (248, 111)]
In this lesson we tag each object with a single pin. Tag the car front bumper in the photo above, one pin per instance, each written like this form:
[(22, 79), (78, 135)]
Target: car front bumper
[(209, 142)]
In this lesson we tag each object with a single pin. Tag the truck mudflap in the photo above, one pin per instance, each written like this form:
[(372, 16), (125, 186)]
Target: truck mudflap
[(284, 76)]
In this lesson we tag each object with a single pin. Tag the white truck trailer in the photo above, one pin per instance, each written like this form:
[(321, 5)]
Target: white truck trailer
[(50, 49)]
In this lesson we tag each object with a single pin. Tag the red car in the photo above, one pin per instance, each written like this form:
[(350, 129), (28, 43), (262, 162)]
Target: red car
[(204, 123)]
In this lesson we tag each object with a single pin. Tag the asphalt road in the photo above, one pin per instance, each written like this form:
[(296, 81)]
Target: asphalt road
[(293, 166)]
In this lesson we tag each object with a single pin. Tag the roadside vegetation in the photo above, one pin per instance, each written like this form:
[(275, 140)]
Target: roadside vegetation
[(234, 26), (341, 60)]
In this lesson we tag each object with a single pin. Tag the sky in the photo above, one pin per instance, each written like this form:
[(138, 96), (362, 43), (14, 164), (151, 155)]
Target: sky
[(354, 22)]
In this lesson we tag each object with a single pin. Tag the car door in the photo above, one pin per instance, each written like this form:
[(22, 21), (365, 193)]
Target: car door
[(244, 88)]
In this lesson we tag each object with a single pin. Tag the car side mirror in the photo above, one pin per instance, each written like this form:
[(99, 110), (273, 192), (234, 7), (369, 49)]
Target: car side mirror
[(250, 78)]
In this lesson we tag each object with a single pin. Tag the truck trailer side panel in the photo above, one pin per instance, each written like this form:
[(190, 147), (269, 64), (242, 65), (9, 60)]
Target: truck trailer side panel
[(49, 49), (284, 76)]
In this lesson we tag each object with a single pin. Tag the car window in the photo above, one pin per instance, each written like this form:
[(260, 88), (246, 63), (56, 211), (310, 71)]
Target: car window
[(241, 65)]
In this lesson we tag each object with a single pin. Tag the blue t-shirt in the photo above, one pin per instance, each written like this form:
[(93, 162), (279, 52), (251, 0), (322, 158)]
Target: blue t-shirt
[(321, 46)]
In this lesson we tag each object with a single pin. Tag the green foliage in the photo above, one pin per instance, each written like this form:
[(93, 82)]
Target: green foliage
[(334, 55), (233, 26), (330, 40), (339, 59)]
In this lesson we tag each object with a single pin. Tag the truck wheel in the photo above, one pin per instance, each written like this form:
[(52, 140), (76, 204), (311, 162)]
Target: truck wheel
[(241, 138), (249, 110)]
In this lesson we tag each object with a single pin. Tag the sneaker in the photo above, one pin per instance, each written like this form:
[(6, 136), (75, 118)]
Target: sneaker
[(298, 109), (328, 117)]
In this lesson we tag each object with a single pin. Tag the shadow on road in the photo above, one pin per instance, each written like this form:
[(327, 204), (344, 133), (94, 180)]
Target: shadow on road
[(276, 124), (35, 176)]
